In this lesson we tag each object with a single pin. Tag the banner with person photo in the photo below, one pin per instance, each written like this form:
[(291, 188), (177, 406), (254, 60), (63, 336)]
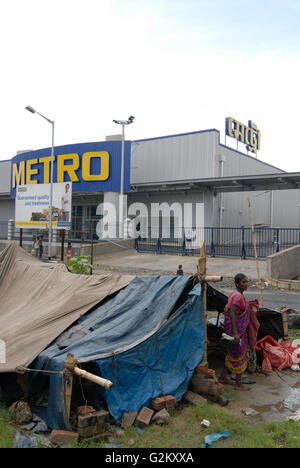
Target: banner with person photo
[(32, 206)]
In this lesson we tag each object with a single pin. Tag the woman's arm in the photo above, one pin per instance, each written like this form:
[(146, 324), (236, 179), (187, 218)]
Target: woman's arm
[(233, 312)]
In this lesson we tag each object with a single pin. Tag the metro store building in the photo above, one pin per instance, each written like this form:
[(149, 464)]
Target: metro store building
[(189, 168)]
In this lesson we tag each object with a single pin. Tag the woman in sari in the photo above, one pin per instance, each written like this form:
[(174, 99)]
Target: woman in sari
[(236, 322)]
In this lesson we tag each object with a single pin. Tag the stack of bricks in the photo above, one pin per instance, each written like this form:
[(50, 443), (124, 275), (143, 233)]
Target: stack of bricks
[(91, 422), (167, 402), (205, 383)]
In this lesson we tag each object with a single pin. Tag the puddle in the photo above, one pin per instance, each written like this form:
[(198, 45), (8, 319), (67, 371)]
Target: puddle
[(281, 410)]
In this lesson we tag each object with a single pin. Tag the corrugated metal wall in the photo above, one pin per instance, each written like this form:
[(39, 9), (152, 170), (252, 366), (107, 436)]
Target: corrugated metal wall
[(7, 209), (237, 163), (5, 176), (174, 158)]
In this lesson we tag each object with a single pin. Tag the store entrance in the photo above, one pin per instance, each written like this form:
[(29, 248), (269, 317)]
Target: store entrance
[(84, 221)]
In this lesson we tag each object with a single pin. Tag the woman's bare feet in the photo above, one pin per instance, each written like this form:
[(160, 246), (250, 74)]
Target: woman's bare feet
[(241, 388), (225, 381)]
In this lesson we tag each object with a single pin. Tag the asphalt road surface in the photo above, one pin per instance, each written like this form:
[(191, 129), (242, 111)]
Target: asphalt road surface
[(273, 299)]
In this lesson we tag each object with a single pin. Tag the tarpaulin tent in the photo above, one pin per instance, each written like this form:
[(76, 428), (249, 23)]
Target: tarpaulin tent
[(147, 340), (40, 300)]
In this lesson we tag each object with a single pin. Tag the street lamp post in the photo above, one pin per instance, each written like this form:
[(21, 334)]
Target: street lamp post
[(33, 111), (121, 201)]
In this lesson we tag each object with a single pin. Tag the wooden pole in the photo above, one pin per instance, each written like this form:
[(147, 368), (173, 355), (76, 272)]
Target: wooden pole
[(62, 245), (68, 383), (255, 253), (285, 327), (92, 244), (202, 275)]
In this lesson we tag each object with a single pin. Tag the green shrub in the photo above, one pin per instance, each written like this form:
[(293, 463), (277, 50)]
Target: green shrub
[(80, 264)]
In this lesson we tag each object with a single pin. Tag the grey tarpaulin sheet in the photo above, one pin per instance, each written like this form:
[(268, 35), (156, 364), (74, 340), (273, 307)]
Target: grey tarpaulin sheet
[(40, 300)]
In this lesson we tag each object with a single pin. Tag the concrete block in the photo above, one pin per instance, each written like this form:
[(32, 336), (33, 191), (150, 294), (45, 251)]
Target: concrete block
[(194, 398)]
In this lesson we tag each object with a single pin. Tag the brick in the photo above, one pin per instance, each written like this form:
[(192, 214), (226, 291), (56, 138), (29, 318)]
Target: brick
[(167, 401), (63, 437), (128, 419), (84, 410), (144, 417)]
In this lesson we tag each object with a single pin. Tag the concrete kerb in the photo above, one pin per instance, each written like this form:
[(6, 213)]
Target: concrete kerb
[(283, 267)]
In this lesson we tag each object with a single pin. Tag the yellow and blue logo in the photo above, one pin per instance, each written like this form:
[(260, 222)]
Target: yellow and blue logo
[(249, 135), (89, 166)]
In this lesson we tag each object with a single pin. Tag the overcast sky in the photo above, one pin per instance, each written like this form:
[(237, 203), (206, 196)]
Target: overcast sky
[(176, 65)]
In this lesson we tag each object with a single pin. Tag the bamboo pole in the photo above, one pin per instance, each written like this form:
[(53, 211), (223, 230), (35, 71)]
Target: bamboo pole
[(285, 327), (213, 279), (202, 275), (68, 384), (93, 378), (255, 252)]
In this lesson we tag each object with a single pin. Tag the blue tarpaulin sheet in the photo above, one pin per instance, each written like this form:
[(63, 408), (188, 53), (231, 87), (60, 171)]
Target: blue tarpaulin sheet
[(141, 340)]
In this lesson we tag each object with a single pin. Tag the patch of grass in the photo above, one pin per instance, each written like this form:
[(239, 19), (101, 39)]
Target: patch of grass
[(184, 431), (294, 334), (6, 431)]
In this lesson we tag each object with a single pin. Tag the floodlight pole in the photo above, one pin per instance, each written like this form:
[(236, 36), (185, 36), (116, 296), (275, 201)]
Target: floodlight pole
[(121, 201), (33, 111), (51, 195)]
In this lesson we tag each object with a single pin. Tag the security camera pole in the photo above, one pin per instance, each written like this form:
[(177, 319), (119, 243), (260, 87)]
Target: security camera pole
[(121, 200), (33, 111)]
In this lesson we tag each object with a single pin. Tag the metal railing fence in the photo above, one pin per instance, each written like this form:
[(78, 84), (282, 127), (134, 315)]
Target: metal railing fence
[(222, 242)]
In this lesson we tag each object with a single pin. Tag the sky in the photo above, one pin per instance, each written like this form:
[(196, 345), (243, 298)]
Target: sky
[(176, 65)]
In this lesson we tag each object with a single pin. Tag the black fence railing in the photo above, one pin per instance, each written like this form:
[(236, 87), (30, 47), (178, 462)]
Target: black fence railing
[(223, 242), (230, 241)]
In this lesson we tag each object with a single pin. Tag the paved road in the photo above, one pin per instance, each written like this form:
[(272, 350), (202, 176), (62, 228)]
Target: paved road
[(130, 261), (273, 299)]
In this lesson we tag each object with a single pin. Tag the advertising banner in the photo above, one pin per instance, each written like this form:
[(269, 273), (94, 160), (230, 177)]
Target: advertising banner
[(32, 207)]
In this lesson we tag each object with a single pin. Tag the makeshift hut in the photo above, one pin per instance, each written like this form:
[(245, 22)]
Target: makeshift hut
[(147, 339)]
